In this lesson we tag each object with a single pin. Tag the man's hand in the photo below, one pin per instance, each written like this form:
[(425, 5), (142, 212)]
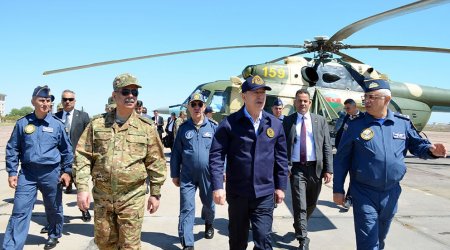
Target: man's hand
[(152, 204), (438, 150), (279, 196), (338, 198), (176, 181), (83, 200), (327, 177), (12, 181), (219, 196), (65, 179)]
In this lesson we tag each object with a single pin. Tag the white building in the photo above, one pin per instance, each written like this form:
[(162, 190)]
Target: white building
[(2, 104)]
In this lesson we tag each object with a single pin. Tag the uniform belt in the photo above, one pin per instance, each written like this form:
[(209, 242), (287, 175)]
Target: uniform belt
[(300, 164)]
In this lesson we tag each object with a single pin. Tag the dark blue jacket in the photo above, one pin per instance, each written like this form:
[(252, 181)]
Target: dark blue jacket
[(256, 164), (37, 142), (374, 154)]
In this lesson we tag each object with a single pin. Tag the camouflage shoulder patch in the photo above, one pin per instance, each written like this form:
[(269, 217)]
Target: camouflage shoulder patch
[(402, 116), (146, 120)]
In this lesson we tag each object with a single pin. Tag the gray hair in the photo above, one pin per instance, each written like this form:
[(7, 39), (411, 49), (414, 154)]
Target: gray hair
[(385, 92), (68, 91)]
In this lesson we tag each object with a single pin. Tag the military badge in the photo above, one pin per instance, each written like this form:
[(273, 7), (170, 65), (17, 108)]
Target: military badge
[(29, 129), (367, 134), (189, 134), (196, 97), (373, 85), (270, 133), (257, 80)]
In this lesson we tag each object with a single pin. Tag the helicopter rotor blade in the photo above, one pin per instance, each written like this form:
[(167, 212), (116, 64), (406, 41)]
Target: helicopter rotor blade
[(348, 58), (166, 54), (403, 10), (283, 57), (399, 47)]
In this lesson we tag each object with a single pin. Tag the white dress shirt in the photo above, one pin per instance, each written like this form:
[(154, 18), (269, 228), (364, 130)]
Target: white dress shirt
[(310, 147), (255, 123)]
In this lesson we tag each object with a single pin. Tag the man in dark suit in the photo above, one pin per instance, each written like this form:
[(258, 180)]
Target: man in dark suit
[(159, 121), (254, 145), (76, 121), (310, 159)]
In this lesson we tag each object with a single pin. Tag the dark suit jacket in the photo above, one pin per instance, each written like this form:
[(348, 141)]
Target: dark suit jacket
[(80, 120), (159, 123), (322, 142), (256, 164)]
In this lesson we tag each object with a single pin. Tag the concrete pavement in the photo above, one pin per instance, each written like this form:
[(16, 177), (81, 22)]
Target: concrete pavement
[(423, 220)]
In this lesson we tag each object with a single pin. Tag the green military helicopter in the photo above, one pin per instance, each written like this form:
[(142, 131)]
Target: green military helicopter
[(330, 79)]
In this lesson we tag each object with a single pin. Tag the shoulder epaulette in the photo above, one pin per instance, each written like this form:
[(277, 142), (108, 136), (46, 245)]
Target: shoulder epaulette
[(402, 116), (213, 121), (57, 118), (146, 120), (25, 116)]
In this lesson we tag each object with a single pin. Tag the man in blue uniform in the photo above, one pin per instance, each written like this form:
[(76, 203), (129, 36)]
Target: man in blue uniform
[(39, 141), (189, 170), (372, 150), (254, 145)]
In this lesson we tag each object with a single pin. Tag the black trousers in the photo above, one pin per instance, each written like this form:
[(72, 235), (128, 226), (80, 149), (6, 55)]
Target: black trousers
[(305, 189), (259, 212)]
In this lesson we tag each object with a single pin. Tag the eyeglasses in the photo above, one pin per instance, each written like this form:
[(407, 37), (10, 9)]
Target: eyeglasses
[(127, 92), (195, 104), (372, 97), (68, 99)]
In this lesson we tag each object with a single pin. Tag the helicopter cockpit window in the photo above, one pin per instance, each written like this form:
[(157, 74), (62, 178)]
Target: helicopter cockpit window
[(334, 75), (218, 101)]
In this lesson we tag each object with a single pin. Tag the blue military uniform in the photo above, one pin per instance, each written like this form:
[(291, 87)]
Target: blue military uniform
[(44, 151), (189, 161), (373, 151)]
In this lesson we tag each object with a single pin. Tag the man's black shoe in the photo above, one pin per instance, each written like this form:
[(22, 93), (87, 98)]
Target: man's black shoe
[(304, 245), (85, 216), (188, 248), (51, 243), (209, 231), (68, 189), (44, 230)]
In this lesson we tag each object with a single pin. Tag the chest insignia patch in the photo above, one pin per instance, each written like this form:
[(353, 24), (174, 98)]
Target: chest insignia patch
[(189, 134), (47, 129), (29, 129), (399, 136), (367, 134), (270, 132), (207, 134)]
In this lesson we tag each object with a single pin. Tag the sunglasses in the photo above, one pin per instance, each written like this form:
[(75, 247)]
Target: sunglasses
[(127, 92), (68, 99), (195, 104)]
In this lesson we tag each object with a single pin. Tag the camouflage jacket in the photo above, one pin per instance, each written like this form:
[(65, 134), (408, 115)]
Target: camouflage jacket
[(119, 159)]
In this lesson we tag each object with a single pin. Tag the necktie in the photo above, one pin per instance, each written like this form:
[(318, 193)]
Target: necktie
[(68, 122), (303, 142)]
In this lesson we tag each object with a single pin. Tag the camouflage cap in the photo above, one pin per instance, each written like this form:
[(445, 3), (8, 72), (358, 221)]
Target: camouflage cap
[(125, 80), (111, 103)]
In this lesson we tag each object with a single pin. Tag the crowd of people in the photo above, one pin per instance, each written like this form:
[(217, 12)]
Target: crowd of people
[(257, 155)]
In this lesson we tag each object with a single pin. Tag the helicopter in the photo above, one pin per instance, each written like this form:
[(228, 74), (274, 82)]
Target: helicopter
[(330, 79)]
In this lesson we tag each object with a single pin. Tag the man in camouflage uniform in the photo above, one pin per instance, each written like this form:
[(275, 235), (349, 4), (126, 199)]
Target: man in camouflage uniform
[(119, 150), (182, 117)]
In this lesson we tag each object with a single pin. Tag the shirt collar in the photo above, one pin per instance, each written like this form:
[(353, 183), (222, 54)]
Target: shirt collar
[(307, 115), (247, 114)]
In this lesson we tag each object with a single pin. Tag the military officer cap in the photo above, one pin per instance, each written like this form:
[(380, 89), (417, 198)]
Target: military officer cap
[(196, 96), (125, 80), (42, 91), (375, 84), (254, 83), (277, 102), (208, 110)]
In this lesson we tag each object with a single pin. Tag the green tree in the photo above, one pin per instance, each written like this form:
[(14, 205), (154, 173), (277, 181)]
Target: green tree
[(20, 112)]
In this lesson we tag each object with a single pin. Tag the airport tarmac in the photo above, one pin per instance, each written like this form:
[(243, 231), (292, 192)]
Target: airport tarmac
[(422, 221)]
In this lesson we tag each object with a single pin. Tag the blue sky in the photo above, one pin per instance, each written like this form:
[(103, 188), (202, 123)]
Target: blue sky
[(44, 35)]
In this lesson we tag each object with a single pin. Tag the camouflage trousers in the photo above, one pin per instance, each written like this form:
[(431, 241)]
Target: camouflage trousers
[(118, 219)]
